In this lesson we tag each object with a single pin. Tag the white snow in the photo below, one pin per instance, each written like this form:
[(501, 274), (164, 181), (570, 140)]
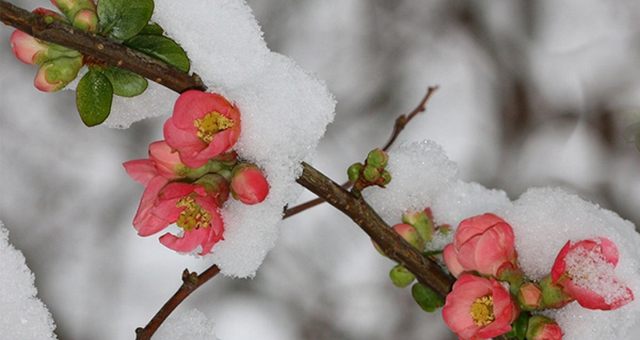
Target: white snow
[(284, 113), (22, 315), (192, 325)]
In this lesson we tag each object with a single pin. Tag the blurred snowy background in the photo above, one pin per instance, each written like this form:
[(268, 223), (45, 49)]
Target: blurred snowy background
[(532, 93)]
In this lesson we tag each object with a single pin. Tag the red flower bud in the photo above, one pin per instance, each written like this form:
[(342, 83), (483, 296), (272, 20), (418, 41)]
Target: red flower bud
[(248, 184)]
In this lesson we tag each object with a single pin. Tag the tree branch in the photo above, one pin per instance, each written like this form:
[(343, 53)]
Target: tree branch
[(98, 47), (109, 51), (399, 125)]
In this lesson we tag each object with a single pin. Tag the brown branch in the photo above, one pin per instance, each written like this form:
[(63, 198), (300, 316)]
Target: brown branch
[(399, 125), (426, 271), (98, 47), (190, 282)]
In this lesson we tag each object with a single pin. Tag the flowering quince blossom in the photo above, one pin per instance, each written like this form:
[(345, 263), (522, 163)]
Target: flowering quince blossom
[(203, 126), (585, 271), (484, 244), (248, 184), (479, 308)]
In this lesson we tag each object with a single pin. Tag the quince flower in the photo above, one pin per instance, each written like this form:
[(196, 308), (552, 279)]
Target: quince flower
[(203, 126), (585, 271), (479, 308)]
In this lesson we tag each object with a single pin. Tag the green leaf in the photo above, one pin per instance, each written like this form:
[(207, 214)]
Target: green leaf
[(161, 48), (152, 29), (519, 327), (428, 300), (125, 83), (93, 97), (122, 19)]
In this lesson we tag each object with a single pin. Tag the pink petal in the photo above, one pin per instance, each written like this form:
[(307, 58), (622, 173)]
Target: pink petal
[(185, 244), (451, 260), (141, 170)]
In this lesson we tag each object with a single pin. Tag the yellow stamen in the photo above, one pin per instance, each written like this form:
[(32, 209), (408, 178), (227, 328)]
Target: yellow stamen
[(482, 311), (194, 216), (212, 123)]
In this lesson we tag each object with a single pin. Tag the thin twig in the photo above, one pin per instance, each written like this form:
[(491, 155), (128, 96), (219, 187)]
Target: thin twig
[(399, 125), (190, 282)]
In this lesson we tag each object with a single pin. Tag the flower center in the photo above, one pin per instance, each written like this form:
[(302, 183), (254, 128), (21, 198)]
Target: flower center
[(212, 123), (194, 216), (482, 311)]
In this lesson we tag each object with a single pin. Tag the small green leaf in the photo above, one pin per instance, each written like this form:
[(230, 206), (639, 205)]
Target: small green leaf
[(125, 83), (122, 19), (93, 97), (428, 300), (152, 29), (161, 48), (519, 327)]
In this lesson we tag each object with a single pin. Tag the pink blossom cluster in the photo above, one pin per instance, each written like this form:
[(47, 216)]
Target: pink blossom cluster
[(188, 176), (493, 297), (58, 65)]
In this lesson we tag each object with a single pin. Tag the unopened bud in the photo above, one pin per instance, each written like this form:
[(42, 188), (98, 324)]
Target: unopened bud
[(530, 296), (49, 15), (401, 276), (354, 172), (410, 235), (422, 222), (28, 49), (377, 158), (370, 173), (87, 20), (543, 328), (385, 178), (56, 74), (216, 186), (71, 7), (248, 184)]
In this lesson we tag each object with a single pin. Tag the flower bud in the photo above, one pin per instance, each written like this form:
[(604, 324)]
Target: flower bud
[(401, 276), (248, 184), (215, 186), (354, 172), (530, 296), (409, 234), (56, 74), (422, 221), (370, 173), (385, 178), (28, 49), (71, 7), (543, 328), (87, 20), (49, 15), (377, 158)]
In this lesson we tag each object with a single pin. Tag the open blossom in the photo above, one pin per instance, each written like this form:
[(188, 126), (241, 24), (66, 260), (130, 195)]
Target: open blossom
[(203, 126), (484, 244), (585, 271), (479, 308)]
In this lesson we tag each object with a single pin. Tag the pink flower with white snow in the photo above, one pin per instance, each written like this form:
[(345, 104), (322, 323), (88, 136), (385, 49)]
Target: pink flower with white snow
[(585, 271), (203, 126)]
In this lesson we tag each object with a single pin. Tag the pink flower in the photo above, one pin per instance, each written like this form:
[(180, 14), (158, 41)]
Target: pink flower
[(203, 126), (479, 308), (585, 271), (484, 244), (543, 328), (162, 162), (248, 184), (28, 49), (189, 206)]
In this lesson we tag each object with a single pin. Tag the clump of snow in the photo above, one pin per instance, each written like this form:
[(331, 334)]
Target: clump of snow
[(22, 315), (590, 270), (419, 173), (284, 111), (544, 219), (192, 325), (156, 101)]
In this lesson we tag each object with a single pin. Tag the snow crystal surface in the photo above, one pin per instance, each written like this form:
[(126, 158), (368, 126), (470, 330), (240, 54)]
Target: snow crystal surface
[(284, 113), (544, 219), (22, 315), (419, 173), (192, 325)]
